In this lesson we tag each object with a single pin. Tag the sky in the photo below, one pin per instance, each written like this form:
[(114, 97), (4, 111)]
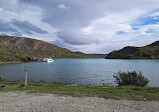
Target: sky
[(89, 26)]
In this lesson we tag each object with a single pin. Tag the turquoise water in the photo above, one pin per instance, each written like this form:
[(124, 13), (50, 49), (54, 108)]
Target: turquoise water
[(81, 71)]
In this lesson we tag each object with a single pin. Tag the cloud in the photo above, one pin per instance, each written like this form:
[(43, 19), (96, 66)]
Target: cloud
[(27, 13), (77, 38), (18, 34), (90, 26), (80, 13), (3, 34), (9, 4), (63, 6), (6, 27), (9, 28), (28, 27)]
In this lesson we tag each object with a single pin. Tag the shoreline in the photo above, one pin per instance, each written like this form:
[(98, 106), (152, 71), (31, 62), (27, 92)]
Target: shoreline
[(43, 61), (74, 58), (17, 62), (10, 62)]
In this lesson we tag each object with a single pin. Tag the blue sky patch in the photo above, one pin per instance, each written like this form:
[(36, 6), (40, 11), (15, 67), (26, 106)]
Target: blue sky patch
[(120, 32), (148, 20), (149, 31), (135, 29)]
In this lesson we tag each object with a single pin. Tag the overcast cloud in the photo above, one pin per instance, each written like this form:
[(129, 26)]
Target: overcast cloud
[(90, 26)]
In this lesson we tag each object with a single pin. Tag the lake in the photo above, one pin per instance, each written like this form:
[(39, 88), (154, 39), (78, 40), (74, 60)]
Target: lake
[(94, 72)]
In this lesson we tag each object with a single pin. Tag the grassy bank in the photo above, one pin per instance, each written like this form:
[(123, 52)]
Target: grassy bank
[(108, 92)]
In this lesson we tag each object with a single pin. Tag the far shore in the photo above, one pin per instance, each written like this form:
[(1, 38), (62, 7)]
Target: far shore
[(10, 62)]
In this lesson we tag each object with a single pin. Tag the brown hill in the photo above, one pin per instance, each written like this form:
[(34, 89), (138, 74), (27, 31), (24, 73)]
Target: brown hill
[(14, 48)]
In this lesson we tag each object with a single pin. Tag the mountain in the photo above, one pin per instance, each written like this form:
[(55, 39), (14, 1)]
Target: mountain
[(22, 48), (146, 52)]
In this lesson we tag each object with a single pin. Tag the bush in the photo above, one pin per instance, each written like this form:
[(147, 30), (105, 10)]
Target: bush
[(25, 58), (2, 79), (130, 78)]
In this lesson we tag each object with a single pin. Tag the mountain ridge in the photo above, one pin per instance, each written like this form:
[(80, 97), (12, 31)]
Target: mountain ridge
[(150, 51), (15, 48)]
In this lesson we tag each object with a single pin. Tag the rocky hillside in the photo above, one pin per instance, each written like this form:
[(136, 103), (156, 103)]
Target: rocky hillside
[(15, 48), (146, 52)]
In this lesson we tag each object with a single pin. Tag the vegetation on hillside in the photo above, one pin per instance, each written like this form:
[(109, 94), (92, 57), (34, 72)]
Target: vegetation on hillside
[(130, 78), (147, 52), (27, 49)]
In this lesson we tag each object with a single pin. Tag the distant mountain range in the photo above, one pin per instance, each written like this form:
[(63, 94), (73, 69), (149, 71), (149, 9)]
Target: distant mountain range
[(22, 48), (146, 52)]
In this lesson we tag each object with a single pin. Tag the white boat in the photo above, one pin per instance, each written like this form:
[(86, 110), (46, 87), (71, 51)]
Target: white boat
[(50, 60)]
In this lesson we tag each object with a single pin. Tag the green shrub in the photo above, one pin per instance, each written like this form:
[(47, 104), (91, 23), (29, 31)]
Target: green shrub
[(2, 79), (130, 78), (25, 58)]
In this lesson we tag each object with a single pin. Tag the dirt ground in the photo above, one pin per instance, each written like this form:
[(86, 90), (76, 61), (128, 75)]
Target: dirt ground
[(34, 102)]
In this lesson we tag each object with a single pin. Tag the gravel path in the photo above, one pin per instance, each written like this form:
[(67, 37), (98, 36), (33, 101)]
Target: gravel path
[(25, 102)]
